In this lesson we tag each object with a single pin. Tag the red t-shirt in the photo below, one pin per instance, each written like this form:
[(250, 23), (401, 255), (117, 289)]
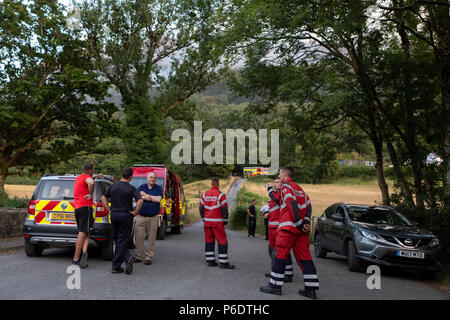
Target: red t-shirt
[(81, 189)]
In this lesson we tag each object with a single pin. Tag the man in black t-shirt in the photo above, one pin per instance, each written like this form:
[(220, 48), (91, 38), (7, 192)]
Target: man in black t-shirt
[(252, 219), (121, 194)]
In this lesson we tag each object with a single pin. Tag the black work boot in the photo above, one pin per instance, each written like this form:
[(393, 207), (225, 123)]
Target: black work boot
[(226, 266), (308, 292), (287, 278), (270, 288), (212, 264)]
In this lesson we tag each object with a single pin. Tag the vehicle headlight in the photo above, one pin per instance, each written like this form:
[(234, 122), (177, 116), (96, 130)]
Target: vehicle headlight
[(371, 236), (434, 242)]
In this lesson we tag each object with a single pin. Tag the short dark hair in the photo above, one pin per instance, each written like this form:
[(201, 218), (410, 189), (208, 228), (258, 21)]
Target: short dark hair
[(215, 181), (289, 170), (127, 173), (87, 167)]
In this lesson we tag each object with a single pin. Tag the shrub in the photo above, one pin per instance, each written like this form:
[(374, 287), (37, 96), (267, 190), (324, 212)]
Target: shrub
[(6, 202)]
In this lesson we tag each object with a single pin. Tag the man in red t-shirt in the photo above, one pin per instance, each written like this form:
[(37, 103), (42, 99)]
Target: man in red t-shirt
[(83, 199)]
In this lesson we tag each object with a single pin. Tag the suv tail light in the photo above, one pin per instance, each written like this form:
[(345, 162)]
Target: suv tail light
[(100, 210), (31, 207)]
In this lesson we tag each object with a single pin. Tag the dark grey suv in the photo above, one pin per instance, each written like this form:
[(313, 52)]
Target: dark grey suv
[(375, 235)]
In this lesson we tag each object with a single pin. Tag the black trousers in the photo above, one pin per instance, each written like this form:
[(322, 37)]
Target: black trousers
[(251, 226), (266, 224), (122, 224)]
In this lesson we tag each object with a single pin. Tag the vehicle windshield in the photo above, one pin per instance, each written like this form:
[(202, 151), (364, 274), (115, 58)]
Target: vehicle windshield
[(137, 181), (378, 216), (56, 190)]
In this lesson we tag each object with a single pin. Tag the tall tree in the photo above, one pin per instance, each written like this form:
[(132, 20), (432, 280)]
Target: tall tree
[(51, 99), (157, 54)]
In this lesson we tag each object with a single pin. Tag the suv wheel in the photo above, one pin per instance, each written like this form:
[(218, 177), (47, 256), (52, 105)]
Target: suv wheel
[(162, 230), (31, 249), (319, 251), (354, 264)]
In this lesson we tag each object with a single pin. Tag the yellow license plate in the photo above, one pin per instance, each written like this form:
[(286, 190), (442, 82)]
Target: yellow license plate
[(63, 216)]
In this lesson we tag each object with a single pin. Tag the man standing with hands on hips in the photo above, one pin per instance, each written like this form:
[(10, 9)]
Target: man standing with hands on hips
[(83, 201), (121, 194)]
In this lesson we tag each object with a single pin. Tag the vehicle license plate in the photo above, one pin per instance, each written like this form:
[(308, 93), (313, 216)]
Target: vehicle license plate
[(411, 254), (63, 216)]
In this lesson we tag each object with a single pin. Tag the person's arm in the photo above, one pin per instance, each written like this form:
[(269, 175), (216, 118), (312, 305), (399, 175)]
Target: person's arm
[(307, 223), (139, 202), (105, 204), (224, 209), (157, 197), (201, 208), (91, 185), (292, 205)]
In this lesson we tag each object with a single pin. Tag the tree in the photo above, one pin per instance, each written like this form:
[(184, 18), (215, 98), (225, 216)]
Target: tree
[(157, 54), (51, 98)]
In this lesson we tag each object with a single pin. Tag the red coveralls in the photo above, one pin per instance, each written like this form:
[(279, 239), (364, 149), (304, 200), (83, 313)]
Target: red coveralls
[(274, 217), (294, 202), (214, 212)]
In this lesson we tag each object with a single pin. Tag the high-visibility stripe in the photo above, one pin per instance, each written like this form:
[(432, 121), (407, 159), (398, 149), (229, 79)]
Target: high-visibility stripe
[(213, 207), (288, 196), (274, 208), (223, 260), (311, 284), (209, 253), (277, 283), (277, 275), (310, 276), (273, 223), (290, 223), (213, 220), (210, 258)]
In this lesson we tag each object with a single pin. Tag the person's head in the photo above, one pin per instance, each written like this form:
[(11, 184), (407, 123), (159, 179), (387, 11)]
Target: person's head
[(88, 169), (151, 178), (215, 182), (254, 202), (127, 174), (277, 184), (285, 173)]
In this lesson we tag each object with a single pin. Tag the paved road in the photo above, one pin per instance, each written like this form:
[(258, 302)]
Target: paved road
[(179, 272), (231, 195)]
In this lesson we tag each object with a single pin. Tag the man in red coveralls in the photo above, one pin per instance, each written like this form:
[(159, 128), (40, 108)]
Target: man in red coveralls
[(295, 215), (83, 201), (274, 217), (214, 213)]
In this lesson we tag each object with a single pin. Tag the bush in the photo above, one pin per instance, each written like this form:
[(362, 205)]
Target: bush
[(435, 220), (239, 217), (22, 180), (6, 202), (358, 172)]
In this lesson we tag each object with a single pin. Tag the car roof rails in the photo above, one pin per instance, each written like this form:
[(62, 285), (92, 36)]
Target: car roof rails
[(49, 175), (148, 165)]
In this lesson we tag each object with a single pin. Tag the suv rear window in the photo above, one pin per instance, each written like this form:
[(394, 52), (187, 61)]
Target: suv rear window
[(137, 181), (56, 190)]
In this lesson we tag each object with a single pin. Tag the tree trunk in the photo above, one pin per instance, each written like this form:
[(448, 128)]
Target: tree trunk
[(3, 176), (380, 173)]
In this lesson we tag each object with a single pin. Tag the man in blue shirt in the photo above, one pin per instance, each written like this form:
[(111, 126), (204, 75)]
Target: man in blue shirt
[(147, 222)]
